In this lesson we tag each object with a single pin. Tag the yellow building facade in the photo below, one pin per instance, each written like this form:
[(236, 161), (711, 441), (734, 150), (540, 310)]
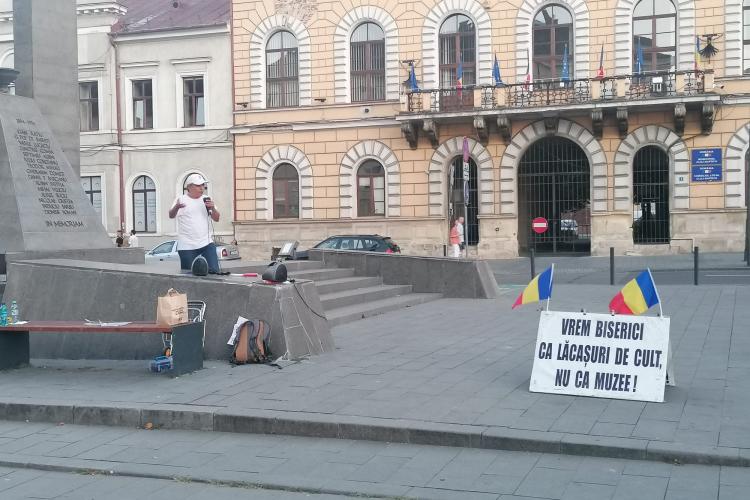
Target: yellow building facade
[(619, 123)]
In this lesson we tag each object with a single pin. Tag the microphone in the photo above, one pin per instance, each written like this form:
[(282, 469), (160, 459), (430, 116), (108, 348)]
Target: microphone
[(207, 198)]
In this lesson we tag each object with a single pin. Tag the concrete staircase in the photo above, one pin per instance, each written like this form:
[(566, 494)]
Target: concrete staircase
[(346, 297)]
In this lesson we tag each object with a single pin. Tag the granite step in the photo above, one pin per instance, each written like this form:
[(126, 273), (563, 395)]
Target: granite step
[(351, 283), (322, 274), (355, 312), (362, 295)]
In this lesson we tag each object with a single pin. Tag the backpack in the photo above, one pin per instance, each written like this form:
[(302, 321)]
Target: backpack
[(253, 343)]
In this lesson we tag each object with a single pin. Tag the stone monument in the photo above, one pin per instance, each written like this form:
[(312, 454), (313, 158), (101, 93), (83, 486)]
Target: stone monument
[(42, 205), (45, 40)]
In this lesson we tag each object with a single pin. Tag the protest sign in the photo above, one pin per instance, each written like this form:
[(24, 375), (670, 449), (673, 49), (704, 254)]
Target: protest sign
[(601, 355)]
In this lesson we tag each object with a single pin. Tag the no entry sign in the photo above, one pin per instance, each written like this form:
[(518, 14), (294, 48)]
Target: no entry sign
[(539, 225)]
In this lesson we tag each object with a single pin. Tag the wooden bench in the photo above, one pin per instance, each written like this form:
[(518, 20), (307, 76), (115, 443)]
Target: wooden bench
[(187, 340)]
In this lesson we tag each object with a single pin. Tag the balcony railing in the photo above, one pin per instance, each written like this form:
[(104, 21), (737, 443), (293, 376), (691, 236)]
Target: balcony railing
[(542, 93)]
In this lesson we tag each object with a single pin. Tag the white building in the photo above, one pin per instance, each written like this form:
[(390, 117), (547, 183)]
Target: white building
[(155, 104)]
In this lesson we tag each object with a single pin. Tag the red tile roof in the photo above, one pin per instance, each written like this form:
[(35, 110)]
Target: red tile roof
[(155, 15)]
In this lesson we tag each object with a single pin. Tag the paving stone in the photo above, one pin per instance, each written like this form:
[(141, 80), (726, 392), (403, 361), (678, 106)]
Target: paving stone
[(588, 491), (545, 483), (641, 488)]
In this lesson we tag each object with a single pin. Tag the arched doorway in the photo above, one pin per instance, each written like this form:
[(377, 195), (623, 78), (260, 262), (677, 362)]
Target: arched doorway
[(650, 196), (457, 199), (554, 183)]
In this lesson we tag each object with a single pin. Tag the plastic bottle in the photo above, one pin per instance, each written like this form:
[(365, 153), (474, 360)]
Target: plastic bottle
[(13, 312), (3, 314)]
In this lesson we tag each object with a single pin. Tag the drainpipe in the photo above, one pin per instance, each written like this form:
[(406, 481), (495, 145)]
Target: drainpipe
[(234, 98), (118, 119)]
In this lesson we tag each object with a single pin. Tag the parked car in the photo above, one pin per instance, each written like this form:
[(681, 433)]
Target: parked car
[(362, 242), (167, 251)]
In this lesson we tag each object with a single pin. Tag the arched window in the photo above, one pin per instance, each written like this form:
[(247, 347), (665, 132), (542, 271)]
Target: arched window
[(654, 35), (650, 196), (144, 205), (368, 63), (553, 32), (370, 189), (285, 192), (282, 71), (746, 36), (184, 183), (458, 49)]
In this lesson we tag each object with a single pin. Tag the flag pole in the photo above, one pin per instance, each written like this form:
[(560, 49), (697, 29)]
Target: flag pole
[(551, 281), (661, 313)]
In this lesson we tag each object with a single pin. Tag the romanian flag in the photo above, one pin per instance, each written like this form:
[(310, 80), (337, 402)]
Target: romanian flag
[(637, 296), (540, 288), (460, 78)]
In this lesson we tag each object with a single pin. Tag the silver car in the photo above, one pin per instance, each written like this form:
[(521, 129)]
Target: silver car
[(167, 251)]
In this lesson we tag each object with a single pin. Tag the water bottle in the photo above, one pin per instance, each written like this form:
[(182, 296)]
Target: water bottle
[(14, 312), (3, 315)]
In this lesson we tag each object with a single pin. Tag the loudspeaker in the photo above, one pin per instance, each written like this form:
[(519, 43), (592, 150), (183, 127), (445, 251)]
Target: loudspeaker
[(199, 267), (275, 272)]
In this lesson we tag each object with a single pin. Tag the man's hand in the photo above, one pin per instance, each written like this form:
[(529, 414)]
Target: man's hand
[(173, 211), (209, 204)]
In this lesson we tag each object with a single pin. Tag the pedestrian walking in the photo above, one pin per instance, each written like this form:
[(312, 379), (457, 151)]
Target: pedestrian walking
[(457, 237)]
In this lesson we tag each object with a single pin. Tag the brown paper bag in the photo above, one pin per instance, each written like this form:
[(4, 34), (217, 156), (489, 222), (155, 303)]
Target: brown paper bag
[(171, 309)]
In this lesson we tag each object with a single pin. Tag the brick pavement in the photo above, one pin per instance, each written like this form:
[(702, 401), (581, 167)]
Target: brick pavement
[(119, 463), (451, 372)]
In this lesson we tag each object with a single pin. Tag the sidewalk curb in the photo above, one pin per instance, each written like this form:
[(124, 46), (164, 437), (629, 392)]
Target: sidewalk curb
[(184, 417), (149, 471)]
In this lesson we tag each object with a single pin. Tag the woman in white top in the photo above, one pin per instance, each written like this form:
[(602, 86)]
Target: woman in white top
[(194, 234)]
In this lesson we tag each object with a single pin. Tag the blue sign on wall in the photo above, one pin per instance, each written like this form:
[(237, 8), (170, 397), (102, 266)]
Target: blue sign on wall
[(706, 165)]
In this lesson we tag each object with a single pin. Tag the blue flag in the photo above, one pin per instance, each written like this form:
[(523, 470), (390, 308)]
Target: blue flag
[(565, 73), (496, 74), (639, 59), (413, 79)]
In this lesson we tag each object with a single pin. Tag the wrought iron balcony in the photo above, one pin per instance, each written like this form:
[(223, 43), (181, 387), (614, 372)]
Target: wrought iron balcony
[(595, 95), (558, 92)]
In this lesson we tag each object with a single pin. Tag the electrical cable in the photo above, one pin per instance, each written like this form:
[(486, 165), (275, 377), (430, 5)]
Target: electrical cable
[(316, 313), (211, 233)]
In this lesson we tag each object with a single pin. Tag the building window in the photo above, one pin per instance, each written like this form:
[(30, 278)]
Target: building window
[(368, 63), (143, 104), (88, 95), (282, 75), (285, 192), (654, 24), (92, 186), (553, 31), (193, 101), (746, 36), (457, 44), (370, 189), (184, 183), (144, 205)]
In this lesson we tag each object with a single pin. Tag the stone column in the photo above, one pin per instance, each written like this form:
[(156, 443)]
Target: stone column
[(46, 55)]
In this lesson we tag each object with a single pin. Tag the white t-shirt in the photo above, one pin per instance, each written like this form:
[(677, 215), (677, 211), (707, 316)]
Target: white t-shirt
[(133, 240), (193, 226), (460, 228)]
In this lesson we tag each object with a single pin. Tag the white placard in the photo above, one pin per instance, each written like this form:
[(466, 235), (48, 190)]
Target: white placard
[(601, 355)]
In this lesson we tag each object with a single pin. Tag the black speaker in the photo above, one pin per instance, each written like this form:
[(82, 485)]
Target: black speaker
[(275, 272), (199, 267)]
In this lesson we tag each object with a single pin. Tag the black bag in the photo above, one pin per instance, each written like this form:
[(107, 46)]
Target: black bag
[(253, 343)]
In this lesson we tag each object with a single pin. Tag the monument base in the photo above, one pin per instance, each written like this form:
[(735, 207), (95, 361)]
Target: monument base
[(112, 255), (57, 289)]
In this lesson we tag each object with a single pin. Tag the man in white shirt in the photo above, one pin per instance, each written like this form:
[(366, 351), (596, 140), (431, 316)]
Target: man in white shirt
[(194, 213)]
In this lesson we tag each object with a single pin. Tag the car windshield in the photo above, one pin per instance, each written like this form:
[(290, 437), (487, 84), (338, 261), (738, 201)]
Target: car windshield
[(329, 243), (163, 248)]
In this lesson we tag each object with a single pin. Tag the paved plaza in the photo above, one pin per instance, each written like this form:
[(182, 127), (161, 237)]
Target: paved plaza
[(453, 373)]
